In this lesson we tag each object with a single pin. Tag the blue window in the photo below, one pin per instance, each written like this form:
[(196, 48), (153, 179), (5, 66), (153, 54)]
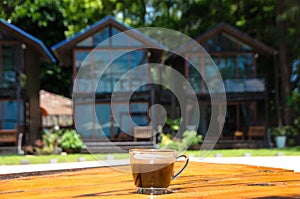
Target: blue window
[(11, 114), (108, 67), (103, 125), (84, 120), (10, 62)]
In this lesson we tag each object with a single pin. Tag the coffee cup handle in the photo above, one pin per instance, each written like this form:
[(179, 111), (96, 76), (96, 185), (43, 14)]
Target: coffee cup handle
[(181, 170)]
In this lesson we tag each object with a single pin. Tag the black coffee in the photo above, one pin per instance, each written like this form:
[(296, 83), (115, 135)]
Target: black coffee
[(152, 175)]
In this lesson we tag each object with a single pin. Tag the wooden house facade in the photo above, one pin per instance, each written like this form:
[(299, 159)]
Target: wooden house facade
[(97, 49), (20, 57), (242, 62), (238, 57)]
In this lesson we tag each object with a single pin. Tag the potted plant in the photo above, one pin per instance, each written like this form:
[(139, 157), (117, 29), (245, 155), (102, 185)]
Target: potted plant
[(280, 134)]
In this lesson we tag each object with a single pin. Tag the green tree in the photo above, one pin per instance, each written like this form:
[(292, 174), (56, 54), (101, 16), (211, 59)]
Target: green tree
[(288, 31), (43, 19), (40, 18), (276, 23), (56, 79), (80, 14)]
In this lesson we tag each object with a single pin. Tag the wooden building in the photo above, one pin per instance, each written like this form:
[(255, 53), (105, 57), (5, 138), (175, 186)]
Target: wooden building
[(240, 59), (20, 57), (83, 49), (56, 110), (245, 65)]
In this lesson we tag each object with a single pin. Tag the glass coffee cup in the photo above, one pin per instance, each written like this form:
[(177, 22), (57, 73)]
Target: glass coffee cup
[(153, 169)]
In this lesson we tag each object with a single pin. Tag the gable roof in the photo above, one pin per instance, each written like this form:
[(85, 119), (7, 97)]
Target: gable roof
[(27, 38), (60, 48), (236, 33)]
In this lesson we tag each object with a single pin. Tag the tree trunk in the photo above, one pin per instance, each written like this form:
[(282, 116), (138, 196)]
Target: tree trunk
[(284, 68), (143, 11)]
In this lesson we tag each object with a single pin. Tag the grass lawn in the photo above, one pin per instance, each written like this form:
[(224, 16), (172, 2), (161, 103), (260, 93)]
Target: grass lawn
[(292, 151), (41, 159), (34, 159)]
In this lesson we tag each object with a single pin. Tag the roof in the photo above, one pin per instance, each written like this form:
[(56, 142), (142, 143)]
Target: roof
[(53, 104), (236, 33), (68, 44), (27, 38), (233, 32)]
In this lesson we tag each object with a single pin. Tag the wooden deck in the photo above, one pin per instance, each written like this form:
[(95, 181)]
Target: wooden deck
[(109, 147), (236, 144), (115, 147), (199, 180), (4, 150)]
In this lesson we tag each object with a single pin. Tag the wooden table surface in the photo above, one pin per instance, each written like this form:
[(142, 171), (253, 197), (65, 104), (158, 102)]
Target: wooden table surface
[(199, 180)]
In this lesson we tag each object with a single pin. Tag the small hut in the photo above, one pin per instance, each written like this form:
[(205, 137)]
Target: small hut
[(56, 110)]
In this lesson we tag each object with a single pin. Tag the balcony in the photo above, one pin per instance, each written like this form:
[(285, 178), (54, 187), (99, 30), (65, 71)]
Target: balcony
[(235, 86), (247, 85)]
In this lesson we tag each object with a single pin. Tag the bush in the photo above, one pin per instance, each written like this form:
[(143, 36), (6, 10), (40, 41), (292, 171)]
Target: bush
[(71, 141), (190, 138), (56, 141), (49, 143)]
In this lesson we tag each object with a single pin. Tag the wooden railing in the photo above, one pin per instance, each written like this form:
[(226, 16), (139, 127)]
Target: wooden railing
[(9, 136), (257, 131)]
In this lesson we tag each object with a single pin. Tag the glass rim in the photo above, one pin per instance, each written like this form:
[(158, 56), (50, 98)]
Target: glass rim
[(152, 150)]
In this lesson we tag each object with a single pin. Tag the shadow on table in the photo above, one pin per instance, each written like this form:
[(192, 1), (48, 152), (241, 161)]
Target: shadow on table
[(115, 193), (277, 197)]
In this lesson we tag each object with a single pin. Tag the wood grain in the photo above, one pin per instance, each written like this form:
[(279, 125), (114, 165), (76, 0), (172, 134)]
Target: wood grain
[(199, 180)]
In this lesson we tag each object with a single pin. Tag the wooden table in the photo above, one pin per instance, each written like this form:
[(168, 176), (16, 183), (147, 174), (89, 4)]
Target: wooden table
[(199, 180)]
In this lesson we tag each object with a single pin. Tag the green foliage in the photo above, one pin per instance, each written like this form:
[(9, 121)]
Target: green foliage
[(174, 123), (49, 143), (44, 159), (293, 138), (168, 143), (294, 101), (190, 138), (56, 79), (56, 141), (71, 141), (80, 14), (289, 131), (16, 159), (41, 18), (54, 20), (283, 131)]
